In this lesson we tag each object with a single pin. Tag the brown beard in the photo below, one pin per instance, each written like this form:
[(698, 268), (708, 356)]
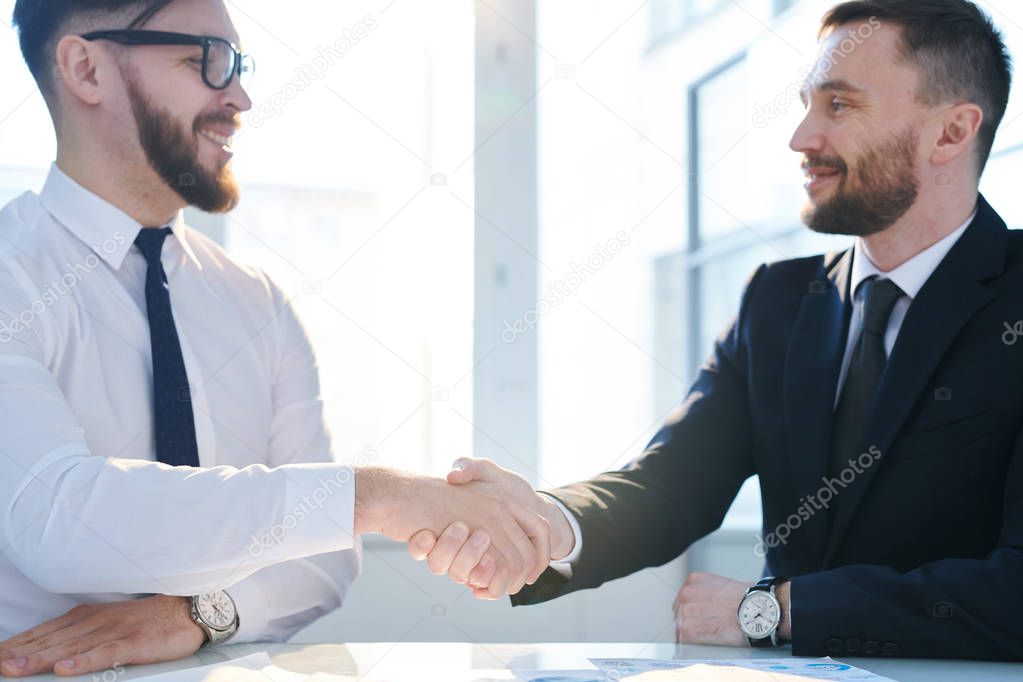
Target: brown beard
[(175, 156), (886, 188)]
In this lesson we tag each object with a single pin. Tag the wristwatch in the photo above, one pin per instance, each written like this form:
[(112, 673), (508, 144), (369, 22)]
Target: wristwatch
[(217, 615), (760, 613)]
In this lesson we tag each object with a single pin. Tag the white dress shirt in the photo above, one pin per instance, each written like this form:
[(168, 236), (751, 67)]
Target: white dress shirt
[(86, 514), (910, 277)]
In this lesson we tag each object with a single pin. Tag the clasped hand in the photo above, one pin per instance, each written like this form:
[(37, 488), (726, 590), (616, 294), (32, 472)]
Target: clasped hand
[(482, 552)]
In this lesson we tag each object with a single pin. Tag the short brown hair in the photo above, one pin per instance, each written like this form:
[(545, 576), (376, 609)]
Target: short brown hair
[(959, 52), (41, 24)]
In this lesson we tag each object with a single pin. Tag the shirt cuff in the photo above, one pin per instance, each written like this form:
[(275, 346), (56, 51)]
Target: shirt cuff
[(253, 610), (564, 566)]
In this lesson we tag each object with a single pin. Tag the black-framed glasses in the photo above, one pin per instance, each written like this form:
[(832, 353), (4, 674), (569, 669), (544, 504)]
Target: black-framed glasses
[(221, 60)]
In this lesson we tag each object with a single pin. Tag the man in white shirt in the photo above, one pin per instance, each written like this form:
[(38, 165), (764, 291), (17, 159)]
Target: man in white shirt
[(166, 475)]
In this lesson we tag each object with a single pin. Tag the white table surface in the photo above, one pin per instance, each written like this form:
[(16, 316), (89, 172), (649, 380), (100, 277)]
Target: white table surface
[(418, 661)]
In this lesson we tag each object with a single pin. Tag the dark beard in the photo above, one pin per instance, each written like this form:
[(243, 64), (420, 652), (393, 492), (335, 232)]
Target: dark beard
[(886, 187), (175, 157)]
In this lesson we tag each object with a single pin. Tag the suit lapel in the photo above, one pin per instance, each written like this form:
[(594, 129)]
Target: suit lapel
[(952, 295), (812, 364)]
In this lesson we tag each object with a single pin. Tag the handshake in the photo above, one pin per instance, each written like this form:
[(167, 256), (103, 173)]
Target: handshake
[(485, 527)]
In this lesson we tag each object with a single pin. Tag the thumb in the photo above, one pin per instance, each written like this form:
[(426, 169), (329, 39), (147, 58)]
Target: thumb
[(463, 470)]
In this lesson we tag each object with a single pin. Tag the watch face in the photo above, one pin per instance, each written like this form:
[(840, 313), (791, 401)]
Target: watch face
[(759, 614), (217, 609)]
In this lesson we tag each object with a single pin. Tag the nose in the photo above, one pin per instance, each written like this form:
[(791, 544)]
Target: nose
[(808, 136), (235, 97)]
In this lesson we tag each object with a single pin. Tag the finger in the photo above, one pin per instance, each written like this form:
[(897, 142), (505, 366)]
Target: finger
[(532, 529), (483, 574), (73, 616), (421, 543), (462, 471), (516, 551), (469, 555), (55, 639), (100, 657), (44, 660), (538, 530), (444, 552), (498, 586)]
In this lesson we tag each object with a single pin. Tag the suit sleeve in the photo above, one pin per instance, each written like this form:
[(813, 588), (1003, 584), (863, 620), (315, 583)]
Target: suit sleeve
[(951, 608), (678, 490)]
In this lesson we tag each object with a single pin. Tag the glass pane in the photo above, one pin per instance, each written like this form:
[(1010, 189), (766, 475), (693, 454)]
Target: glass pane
[(667, 17), (357, 188), (722, 156)]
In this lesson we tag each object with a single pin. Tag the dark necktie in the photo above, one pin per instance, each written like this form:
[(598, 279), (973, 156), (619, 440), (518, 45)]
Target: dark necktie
[(172, 400), (864, 373)]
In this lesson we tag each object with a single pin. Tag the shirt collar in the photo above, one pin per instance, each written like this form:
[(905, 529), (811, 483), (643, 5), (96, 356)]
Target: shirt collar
[(104, 228), (914, 273)]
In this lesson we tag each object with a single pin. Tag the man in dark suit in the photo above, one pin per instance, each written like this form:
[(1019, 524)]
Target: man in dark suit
[(877, 393)]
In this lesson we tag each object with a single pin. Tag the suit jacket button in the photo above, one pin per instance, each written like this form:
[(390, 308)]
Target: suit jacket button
[(834, 645), (870, 648), (852, 645), (890, 649)]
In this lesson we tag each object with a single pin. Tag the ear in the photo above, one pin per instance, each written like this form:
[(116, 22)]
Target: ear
[(959, 127), (77, 68)]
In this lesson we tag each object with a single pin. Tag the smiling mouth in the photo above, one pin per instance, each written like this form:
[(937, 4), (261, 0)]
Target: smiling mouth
[(218, 138), (816, 177)]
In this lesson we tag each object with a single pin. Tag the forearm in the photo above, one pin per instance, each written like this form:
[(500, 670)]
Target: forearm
[(953, 608), (84, 524)]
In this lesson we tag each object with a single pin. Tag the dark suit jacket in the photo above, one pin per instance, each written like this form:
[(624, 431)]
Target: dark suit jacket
[(921, 552)]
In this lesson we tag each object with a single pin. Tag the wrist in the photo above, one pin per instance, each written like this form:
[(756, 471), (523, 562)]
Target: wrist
[(562, 538), (784, 594), (373, 490), (181, 608)]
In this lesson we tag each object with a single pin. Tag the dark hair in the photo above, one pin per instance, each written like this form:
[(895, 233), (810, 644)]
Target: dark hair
[(40, 24), (959, 52)]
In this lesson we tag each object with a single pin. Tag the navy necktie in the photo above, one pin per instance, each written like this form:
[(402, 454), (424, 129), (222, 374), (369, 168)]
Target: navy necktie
[(172, 400), (866, 365)]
